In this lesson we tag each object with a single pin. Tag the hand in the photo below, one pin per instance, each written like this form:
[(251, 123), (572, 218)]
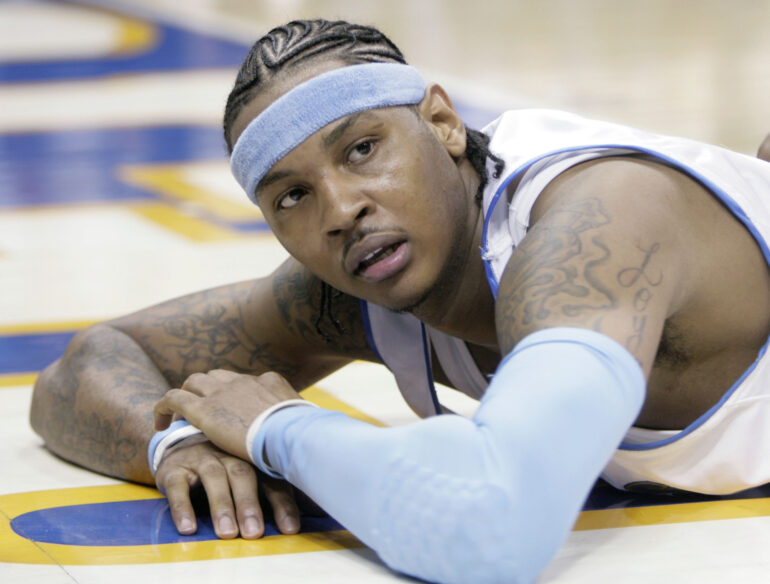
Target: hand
[(223, 404), (231, 486)]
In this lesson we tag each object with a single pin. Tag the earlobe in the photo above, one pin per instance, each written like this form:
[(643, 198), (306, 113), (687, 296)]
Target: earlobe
[(439, 113)]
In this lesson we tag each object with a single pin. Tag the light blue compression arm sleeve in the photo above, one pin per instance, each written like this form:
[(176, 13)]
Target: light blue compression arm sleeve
[(488, 499)]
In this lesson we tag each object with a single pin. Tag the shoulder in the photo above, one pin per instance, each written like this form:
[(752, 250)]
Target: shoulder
[(609, 249)]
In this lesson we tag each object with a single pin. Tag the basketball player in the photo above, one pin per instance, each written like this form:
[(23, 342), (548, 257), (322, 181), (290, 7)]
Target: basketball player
[(603, 291)]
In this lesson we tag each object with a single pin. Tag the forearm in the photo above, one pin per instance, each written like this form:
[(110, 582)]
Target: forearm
[(483, 500), (93, 407)]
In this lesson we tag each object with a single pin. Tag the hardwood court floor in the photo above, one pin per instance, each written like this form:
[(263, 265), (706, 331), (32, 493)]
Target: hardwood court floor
[(115, 194)]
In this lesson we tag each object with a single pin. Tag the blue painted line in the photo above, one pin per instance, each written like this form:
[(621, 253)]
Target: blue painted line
[(32, 352), (145, 522), (176, 49), (82, 165)]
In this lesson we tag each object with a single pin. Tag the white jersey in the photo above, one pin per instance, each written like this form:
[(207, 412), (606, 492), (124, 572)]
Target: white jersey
[(727, 449)]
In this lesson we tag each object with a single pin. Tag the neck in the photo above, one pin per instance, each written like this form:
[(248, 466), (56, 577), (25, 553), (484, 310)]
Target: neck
[(461, 303)]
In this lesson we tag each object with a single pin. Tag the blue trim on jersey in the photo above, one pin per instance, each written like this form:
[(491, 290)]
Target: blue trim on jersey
[(368, 330), (734, 208), (429, 369)]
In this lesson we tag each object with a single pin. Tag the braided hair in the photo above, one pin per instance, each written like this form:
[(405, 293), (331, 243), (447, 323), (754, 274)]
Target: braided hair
[(300, 41)]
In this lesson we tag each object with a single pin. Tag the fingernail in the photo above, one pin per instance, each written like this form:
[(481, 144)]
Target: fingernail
[(250, 527), (290, 524), (186, 526), (226, 525)]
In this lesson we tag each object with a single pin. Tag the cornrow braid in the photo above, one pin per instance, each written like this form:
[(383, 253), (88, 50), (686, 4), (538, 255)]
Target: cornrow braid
[(477, 152), (301, 40), (296, 42)]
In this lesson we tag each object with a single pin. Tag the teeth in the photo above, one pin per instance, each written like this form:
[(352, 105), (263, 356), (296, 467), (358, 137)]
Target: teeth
[(375, 256), (371, 255)]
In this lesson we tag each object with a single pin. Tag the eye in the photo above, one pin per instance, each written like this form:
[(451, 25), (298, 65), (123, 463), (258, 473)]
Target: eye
[(360, 151), (290, 198)]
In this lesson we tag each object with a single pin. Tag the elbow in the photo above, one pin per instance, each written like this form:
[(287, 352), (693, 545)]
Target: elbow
[(56, 387), (40, 398), (474, 532)]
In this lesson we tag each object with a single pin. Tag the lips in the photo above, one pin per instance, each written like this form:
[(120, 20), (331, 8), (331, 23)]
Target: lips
[(377, 256)]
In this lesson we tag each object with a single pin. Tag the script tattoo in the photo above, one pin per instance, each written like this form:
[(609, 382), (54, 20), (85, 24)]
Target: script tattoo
[(645, 279), (554, 270)]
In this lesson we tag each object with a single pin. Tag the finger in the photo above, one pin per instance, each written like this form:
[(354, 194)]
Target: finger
[(176, 485), (223, 374), (280, 494), (196, 383), (243, 484), (214, 479), (174, 402)]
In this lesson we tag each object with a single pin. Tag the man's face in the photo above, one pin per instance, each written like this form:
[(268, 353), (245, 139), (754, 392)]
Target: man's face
[(373, 204)]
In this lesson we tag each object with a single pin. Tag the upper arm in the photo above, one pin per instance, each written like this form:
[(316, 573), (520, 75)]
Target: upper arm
[(278, 323), (607, 252)]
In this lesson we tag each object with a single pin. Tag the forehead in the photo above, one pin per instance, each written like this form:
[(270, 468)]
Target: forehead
[(283, 82), (298, 106)]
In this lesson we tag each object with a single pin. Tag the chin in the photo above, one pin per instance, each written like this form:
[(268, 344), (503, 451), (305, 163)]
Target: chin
[(406, 305)]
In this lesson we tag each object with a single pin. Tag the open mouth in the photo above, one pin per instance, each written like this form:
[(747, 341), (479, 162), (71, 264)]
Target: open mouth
[(377, 255)]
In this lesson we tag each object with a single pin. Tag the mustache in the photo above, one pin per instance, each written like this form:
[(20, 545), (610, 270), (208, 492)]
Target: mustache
[(363, 232)]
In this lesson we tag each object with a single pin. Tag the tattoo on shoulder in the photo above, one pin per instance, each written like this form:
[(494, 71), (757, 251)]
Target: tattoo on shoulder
[(560, 269), (644, 280)]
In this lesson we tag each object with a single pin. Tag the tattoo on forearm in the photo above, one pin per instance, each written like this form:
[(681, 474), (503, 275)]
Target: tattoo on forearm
[(203, 334), (102, 440)]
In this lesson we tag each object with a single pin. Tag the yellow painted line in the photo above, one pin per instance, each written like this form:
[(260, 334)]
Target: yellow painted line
[(44, 327), (186, 225), (326, 400), (17, 379), (678, 513), (171, 180), (134, 36), (18, 549)]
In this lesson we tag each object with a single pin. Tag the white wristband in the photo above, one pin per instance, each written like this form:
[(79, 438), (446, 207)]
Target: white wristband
[(162, 441), (257, 424)]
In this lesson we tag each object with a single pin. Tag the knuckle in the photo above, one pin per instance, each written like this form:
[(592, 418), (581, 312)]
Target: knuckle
[(210, 466), (193, 379), (271, 377), (240, 468), (177, 507)]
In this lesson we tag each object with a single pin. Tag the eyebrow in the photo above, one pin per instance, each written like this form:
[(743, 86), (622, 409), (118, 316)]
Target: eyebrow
[(331, 138), (337, 132), (272, 177)]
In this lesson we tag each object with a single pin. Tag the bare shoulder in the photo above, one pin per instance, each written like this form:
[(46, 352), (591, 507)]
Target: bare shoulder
[(607, 250), (288, 322)]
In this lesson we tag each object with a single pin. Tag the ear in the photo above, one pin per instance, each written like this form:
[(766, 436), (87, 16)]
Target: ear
[(442, 118)]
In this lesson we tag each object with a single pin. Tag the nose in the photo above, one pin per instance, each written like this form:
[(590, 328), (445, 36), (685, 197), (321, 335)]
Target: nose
[(343, 205)]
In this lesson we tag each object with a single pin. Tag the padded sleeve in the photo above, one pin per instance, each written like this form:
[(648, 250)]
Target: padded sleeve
[(488, 499)]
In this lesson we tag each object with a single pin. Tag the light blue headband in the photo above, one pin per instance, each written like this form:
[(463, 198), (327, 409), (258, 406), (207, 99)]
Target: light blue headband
[(299, 113)]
